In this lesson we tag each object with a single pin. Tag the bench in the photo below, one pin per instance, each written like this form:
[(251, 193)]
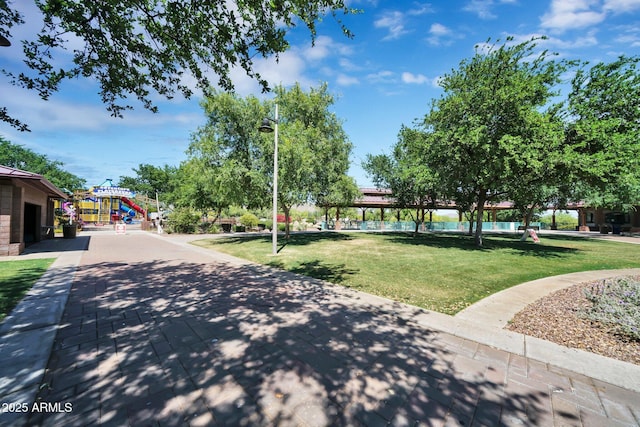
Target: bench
[(533, 227)]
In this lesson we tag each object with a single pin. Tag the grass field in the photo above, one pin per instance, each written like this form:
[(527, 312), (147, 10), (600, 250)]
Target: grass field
[(440, 272), (16, 278)]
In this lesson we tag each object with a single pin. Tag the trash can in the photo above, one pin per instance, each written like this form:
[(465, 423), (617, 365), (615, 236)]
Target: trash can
[(69, 231)]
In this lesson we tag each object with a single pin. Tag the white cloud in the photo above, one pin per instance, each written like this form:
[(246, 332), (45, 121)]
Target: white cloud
[(411, 78), (384, 76), (550, 42), (569, 14), (394, 23), (420, 9), (287, 70), (439, 30), (348, 65), (629, 40), (440, 35), (324, 47), (620, 6), (320, 50), (484, 8), (345, 80)]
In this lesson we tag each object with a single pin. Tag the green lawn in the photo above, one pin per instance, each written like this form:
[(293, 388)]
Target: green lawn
[(441, 272), (16, 278)]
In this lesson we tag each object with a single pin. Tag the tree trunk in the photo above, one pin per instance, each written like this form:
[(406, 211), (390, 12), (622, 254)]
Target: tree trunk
[(478, 235), (337, 226), (430, 219), (286, 210), (529, 215), (471, 217)]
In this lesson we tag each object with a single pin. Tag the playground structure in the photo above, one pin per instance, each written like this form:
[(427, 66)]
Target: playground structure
[(128, 210), (107, 204)]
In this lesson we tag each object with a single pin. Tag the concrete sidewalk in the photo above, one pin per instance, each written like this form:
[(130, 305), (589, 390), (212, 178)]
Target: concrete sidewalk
[(158, 332), (27, 333)]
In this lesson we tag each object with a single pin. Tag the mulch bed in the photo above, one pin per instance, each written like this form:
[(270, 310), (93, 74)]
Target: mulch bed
[(557, 318)]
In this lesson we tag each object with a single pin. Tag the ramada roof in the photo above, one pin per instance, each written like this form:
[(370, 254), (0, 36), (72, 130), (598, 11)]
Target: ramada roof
[(383, 198)]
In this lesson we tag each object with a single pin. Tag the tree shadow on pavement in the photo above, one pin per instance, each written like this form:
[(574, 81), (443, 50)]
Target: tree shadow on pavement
[(207, 343)]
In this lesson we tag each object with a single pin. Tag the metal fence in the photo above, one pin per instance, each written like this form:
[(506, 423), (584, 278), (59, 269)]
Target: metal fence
[(427, 226)]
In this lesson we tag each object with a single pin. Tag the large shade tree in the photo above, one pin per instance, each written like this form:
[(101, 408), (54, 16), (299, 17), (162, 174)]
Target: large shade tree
[(603, 137), (406, 173), (150, 179), (313, 149), (227, 153), (493, 132), (142, 48)]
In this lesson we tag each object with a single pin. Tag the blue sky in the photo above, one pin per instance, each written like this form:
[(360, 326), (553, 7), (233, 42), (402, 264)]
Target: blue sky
[(384, 77)]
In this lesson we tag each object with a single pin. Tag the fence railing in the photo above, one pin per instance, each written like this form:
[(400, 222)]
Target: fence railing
[(426, 226)]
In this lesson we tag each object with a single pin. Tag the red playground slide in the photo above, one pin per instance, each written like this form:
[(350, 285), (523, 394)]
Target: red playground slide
[(134, 206)]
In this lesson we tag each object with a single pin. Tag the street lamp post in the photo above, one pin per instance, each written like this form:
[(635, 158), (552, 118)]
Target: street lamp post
[(266, 127)]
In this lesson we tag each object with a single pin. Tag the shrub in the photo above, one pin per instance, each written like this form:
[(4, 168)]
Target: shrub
[(249, 220), (208, 227), (564, 221), (182, 220), (616, 303)]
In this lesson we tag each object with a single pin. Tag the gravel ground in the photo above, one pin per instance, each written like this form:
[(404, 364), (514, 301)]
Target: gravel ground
[(556, 318)]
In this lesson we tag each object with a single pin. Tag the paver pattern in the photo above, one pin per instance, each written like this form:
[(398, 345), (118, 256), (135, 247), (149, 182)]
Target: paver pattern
[(160, 334)]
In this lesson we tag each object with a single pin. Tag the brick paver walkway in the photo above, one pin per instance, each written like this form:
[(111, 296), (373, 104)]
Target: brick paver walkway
[(160, 334)]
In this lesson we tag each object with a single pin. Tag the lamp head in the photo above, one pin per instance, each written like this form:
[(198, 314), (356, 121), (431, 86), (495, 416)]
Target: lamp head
[(4, 41), (265, 126)]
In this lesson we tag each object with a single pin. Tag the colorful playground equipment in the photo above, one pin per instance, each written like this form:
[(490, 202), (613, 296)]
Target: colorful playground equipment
[(106, 204), (129, 209)]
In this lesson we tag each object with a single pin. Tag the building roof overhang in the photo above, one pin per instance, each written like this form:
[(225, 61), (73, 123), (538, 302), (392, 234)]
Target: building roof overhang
[(34, 180)]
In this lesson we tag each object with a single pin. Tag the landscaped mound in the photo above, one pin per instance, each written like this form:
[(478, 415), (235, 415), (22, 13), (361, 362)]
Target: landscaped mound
[(600, 317)]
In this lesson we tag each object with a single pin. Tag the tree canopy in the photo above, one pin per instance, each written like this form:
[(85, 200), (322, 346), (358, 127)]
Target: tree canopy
[(150, 179), (413, 182), (603, 132), (493, 135), (501, 132), (19, 157), (313, 149), (138, 48)]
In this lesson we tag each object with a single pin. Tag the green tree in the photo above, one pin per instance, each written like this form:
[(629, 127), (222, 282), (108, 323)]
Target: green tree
[(491, 138), (413, 183), (341, 195), (19, 157), (138, 48), (150, 179), (313, 151), (603, 137), (226, 156), (241, 158), (204, 187)]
